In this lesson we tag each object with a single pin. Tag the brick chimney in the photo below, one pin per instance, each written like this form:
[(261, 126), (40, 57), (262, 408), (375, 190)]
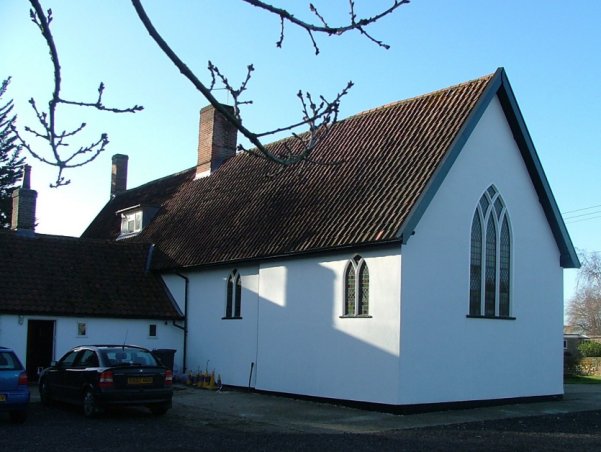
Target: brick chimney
[(119, 174), (216, 140), (24, 201)]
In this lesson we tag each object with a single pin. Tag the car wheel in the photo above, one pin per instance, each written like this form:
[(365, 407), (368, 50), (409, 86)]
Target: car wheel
[(158, 410), (45, 393), (90, 407), (18, 417)]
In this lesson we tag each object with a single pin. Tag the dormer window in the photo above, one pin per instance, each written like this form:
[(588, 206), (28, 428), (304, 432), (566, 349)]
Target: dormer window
[(134, 219), (131, 222)]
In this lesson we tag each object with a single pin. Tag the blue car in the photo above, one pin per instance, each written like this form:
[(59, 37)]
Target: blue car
[(14, 388)]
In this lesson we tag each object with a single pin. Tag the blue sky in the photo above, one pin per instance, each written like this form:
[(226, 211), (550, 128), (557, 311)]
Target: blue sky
[(550, 50)]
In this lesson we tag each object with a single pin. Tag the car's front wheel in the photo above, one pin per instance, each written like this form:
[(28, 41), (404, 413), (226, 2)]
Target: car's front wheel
[(90, 407), (45, 393)]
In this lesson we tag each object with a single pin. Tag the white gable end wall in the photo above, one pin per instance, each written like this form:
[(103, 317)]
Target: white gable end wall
[(446, 356)]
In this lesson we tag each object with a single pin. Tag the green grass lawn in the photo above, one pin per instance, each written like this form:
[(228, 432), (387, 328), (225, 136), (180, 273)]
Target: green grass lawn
[(578, 379)]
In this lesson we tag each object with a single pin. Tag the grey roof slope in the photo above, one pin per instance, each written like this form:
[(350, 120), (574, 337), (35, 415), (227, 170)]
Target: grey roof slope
[(66, 276), (389, 162)]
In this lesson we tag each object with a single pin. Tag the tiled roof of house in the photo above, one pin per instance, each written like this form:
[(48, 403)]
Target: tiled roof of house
[(107, 223), (55, 275), (373, 172)]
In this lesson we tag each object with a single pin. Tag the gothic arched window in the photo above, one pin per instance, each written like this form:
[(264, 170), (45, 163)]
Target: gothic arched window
[(356, 288), (234, 295), (490, 258)]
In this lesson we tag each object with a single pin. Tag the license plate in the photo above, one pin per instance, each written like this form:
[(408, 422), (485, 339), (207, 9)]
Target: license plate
[(139, 380), (2, 398)]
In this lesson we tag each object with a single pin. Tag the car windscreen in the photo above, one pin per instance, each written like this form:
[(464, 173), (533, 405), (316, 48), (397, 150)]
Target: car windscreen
[(8, 361), (124, 356)]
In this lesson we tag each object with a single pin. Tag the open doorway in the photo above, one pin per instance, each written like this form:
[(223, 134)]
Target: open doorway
[(40, 346)]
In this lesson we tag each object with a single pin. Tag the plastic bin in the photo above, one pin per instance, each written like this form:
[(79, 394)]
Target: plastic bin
[(166, 356)]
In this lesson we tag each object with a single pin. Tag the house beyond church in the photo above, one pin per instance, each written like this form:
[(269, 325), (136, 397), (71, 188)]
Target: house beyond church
[(424, 267), (58, 292)]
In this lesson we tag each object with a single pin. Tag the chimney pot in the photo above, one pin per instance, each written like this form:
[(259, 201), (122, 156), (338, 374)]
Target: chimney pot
[(119, 174), (216, 140), (27, 177)]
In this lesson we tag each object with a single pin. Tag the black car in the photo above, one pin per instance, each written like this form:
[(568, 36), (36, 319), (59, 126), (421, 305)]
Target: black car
[(99, 376)]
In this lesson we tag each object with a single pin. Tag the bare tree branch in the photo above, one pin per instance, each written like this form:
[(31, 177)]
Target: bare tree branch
[(48, 120), (328, 112), (318, 114), (356, 23)]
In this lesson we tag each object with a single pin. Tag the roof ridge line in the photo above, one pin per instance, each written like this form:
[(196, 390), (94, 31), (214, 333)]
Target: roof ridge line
[(409, 99), (177, 173), (387, 105)]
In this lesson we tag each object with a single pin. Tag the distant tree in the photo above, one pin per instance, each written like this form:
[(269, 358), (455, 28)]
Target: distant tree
[(590, 349), (11, 165), (317, 113), (584, 309)]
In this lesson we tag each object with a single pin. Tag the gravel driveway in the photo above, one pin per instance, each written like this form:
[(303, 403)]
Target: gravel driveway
[(207, 426)]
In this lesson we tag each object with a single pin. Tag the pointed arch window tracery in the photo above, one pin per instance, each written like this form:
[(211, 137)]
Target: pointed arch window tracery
[(490, 258)]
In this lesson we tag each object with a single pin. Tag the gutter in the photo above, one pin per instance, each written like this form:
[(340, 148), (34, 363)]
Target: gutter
[(185, 327)]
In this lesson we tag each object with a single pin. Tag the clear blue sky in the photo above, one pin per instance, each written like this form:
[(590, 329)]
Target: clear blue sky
[(549, 48)]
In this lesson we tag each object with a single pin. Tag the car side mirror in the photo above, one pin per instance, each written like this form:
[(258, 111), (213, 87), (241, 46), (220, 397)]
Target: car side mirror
[(53, 363)]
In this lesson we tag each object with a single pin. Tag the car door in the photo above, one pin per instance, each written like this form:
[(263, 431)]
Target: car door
[(57, 376), (79, 373)]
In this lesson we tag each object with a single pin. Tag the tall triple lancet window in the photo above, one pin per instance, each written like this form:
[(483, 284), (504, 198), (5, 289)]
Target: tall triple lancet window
[(490, 258), (234, 294), (356, 288)]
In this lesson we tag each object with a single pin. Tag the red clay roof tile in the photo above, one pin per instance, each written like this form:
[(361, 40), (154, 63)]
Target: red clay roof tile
[(251, 208), (61, 276)]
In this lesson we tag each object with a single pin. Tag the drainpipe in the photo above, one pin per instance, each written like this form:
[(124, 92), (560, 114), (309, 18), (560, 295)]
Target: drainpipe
[(185, 327)]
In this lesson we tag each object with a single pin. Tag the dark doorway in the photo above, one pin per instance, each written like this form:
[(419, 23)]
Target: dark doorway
[(40, 344)]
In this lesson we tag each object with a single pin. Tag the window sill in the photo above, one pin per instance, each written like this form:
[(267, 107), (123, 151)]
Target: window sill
[(231, 318), (489, 317), (127, 235), (355, 317)]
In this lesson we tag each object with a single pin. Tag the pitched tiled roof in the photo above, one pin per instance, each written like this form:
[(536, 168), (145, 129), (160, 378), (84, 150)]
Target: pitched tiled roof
[(54, 275), (107, 224), (378, 171), (377, 166)]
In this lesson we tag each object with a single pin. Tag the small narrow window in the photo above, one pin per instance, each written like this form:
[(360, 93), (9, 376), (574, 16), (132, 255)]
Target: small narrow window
[(504, 274), (476, 266), (237, 297), (490, 281), (233, 296), (363, 298), (152, 330), (81, 329), (356, 288), (229, 298), (349, 289)]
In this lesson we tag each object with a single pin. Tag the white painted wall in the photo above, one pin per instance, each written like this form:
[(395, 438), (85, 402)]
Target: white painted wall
[(444, 355), (292, 331), (226, 346), (421, 350), (304, 345), (13, 334)]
